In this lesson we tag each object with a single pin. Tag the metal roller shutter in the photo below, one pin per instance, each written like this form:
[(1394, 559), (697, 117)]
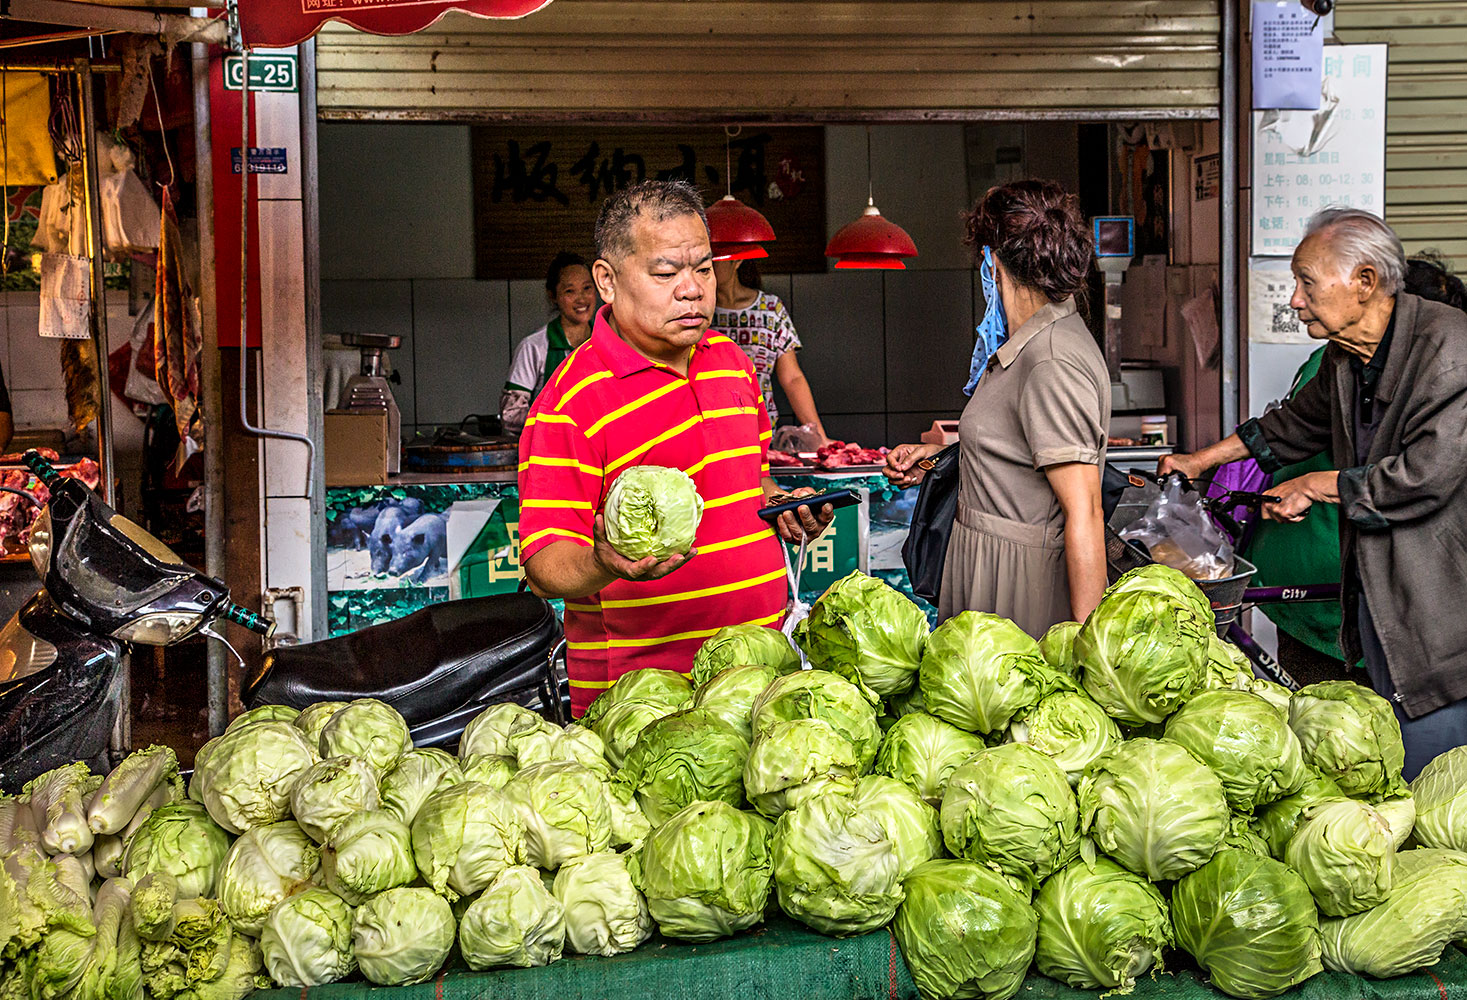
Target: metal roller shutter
[(788, 60)]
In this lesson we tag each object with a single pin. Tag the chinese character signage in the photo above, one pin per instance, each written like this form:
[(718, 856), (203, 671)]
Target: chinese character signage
[(280, 23), (1288, 49), (1304, 161), (537, 189), (1271, 320)]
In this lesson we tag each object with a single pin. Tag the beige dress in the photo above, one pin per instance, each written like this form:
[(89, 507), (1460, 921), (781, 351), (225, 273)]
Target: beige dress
[(1044, 400)]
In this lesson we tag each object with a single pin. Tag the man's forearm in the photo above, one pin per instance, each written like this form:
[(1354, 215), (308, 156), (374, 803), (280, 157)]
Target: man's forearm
[(566, 570), (1229, 449)]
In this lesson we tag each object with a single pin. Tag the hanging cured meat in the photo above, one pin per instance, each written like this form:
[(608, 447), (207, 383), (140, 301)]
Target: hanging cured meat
[(177, 339)]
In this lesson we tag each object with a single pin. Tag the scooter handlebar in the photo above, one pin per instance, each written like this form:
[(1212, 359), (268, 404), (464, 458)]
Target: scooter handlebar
[(246, 618), (42, 469)]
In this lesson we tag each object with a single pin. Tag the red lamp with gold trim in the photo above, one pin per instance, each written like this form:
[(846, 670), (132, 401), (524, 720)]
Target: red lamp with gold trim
[(736, 230)]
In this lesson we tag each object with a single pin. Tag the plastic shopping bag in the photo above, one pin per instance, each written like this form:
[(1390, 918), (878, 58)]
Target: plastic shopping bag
[(1177, 532)]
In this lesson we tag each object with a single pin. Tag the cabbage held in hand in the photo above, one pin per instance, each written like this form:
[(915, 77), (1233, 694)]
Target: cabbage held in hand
[(1070, 729), (1245, 741), (922, 751), (652, 510), (1100, 926), (868, 632), (1350, 733), (1057, 646), (516, 921), (980, 670), (964, 932), (605, 913), (1153, 807), (1440, 792), (402, 936), (465, 835), (307, 940), (1250, 922), (1012, 808), (795, 760), (246, 777), (264, 866), (370, 729), (706, 872), (1425, 911), (730, 694), (179, 840), (836, 869), (744, 645), (1343, 852), (819, 694), (368, 853), (1142, 654), (688, 757)]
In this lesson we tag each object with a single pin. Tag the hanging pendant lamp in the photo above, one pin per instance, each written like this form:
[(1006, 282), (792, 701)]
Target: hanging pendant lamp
[(736, 230), (872, 241)]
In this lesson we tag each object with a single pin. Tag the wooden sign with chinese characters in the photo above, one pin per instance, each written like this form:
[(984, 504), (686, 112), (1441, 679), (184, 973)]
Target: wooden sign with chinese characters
[(537, 189)]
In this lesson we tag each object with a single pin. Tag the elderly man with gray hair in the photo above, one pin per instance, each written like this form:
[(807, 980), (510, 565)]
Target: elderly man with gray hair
[(1390, 405)]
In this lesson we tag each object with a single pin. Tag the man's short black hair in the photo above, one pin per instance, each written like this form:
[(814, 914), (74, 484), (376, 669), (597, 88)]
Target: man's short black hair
[(657, 200)]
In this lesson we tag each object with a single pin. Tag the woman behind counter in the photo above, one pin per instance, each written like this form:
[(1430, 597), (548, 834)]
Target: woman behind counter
[(759, 323), (1028, 542), (572, 297)]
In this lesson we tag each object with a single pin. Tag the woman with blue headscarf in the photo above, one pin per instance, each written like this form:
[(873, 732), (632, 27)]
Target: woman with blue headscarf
[(1028, 541)]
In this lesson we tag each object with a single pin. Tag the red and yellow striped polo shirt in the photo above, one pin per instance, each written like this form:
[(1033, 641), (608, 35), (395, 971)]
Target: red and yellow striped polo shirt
[(608, 408)]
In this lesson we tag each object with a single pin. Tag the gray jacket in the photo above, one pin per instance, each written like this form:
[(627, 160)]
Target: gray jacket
[(1403, 515)]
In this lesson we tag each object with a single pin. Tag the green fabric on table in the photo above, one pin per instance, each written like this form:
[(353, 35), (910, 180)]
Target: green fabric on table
[(1292, 555), (780, 960)]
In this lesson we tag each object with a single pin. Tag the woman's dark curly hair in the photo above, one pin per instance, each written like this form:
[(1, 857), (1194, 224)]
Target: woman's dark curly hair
[(1036, 230)]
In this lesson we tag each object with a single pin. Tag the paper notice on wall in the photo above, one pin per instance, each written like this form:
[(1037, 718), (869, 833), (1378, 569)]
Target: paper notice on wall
[(1304, 161), (1270, 318), (1288, 49)]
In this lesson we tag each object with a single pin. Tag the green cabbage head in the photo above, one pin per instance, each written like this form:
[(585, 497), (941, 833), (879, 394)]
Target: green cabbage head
[(1343, 851), (706, 872), (622, 724), (795, 760), (1012, 808), (1440, 791), (1351, 734), (663, 687), (313, 719), (910, 823), (1227, 666), (403, 936), (465, 835), (922, 751), (1400, 815), (868, 632), (368, 853), (1250, 922), (1277, 821), (370, 729), (307, 939), (965, 932), (652, 510), (516, 921), (1100, 926), (1154, 807), (820, 694), (730, 694), (490, 769), (1172, 583), (329, 791), (836, 868), (500, 729), (264, 866), (1425, 911), (566, 812), (980, 670), (180, 840), (245, 779), (688, 757), (1245, 741), (744, 645), (1070, 728), (605, 913), (417, 775), (1057, 646), (264, 713), (1142, 654)]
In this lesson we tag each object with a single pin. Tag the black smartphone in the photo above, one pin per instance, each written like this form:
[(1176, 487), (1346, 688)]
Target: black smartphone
[(779, 503)]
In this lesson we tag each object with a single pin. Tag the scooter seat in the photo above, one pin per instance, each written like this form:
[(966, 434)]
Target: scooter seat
[(426, 665)]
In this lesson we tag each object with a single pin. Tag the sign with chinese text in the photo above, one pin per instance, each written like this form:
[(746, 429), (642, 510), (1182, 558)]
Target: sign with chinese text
[(537, 189), (280, 23), (1304, 161), (1271, 320), (1288, 48)]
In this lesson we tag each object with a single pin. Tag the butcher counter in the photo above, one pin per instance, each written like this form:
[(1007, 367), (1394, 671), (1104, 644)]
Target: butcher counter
[(424, 538)]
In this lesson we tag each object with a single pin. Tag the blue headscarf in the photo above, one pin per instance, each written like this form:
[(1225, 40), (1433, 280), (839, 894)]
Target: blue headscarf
[(994, 329)]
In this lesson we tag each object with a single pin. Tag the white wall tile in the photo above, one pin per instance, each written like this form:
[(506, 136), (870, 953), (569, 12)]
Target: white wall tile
[(38, 408)]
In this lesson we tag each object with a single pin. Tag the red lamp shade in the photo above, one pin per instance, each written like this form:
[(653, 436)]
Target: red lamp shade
[(736, 230), (872, 241)]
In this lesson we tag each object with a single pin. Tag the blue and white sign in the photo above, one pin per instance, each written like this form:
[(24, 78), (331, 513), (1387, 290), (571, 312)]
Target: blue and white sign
[(263, 160)]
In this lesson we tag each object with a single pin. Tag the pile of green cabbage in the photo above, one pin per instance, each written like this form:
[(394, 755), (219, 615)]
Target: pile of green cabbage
[(1082, 806)]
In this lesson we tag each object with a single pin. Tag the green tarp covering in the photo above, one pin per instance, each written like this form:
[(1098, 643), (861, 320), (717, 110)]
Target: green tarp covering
[(784, 960)]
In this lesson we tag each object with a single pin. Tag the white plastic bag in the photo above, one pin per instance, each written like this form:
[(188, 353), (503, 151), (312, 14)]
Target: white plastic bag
[(1178, 533)]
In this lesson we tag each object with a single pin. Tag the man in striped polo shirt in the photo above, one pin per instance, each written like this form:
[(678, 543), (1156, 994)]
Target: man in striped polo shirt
[(651, 387)]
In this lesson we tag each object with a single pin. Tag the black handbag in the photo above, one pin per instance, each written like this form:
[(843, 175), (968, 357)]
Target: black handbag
[(924, 553)]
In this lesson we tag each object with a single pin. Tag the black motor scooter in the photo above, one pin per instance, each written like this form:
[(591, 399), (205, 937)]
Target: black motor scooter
[(107, 584)]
